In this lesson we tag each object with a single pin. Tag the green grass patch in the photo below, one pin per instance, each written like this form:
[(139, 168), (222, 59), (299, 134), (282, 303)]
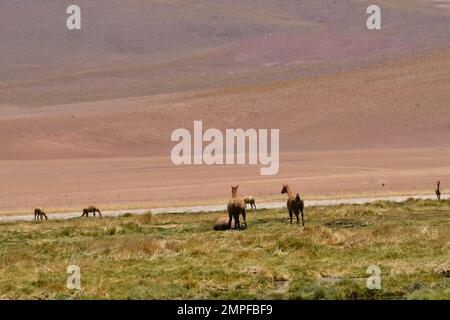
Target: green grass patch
[(178, 256)]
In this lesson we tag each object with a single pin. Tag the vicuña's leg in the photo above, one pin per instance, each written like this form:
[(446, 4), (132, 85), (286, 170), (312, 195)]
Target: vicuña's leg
[(99, 213), (45, 216), (230, 219), (237, 224), (303, 221), (245, 221), (290, 215)]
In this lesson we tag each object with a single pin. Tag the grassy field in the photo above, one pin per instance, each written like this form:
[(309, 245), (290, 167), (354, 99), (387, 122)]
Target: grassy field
[(178, 256)]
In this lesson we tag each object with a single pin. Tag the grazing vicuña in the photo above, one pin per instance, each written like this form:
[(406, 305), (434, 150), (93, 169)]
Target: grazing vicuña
[(250, 200), (90, 209), (39, 213)]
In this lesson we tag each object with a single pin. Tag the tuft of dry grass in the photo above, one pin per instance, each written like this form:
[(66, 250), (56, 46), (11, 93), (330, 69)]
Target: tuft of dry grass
[(145, 218)]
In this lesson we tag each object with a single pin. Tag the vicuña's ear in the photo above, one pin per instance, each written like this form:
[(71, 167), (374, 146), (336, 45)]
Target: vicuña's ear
[(237, 186)]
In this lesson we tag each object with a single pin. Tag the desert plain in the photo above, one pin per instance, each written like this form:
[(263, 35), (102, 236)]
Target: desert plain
[(86, 116)]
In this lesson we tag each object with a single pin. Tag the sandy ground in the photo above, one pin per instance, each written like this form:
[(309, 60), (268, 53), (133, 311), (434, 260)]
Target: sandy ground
[(342, 134), (399, 104), (152, 182), (87, 117)]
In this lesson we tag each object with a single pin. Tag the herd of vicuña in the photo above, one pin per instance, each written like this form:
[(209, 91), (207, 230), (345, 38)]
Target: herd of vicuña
[(236, 208)]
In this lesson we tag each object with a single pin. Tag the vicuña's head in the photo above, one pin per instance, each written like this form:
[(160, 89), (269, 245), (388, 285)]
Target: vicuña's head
[(234, 190), (284, 190)]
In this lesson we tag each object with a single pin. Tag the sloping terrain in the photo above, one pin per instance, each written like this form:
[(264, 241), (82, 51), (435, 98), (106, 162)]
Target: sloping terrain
[(143, 47), (86, 116)]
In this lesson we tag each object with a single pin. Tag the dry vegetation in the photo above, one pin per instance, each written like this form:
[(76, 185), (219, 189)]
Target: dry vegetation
[(178, 256)]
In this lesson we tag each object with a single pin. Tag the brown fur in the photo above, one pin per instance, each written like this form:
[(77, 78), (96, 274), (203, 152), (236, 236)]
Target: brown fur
[(39, 213), (90, 209), (294, 203), (236, 207), (438, 191), (250, 200), (221, 224)]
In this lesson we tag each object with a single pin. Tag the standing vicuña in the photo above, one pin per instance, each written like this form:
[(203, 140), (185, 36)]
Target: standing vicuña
[(236, 206), (438, 191), (92, 209), (250, 200), (39, 213), (294, 203)]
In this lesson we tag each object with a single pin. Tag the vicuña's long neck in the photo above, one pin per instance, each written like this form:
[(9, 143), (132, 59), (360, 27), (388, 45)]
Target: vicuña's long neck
[(234, 193), (289, 191), (438, 185)]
